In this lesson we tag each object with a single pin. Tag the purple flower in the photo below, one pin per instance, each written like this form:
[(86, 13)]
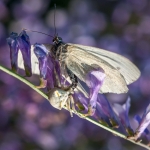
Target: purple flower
[(143, 123), (21, 42), (100, 116), (42, 54), (122, 113), (138, 119), (104, 106), (94, 81), (46, 66), (49, 68), (81, 101), (146, 133), (13, 44), (82, 104)]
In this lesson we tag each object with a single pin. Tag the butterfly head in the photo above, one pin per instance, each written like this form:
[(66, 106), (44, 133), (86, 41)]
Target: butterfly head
[(57, 40)]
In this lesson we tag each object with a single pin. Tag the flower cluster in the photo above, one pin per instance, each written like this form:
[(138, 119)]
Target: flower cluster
[(94, 104)]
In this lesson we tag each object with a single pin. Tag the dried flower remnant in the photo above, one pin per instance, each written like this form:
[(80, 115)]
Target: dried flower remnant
[(20, 42), (122, 112), (143, 124)]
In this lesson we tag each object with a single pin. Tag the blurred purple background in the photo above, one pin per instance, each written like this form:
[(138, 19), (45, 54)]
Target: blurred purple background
[(27, 120)]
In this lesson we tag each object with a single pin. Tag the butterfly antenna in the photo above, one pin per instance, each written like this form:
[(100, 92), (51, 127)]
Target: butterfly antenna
[(54, 18), (38, 32)]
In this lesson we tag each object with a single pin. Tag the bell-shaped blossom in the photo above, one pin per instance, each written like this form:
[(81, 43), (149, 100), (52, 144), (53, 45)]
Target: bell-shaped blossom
[(138, 119), (100, 116), (46, 66), (122, 112), (20, 42), (81, 101), (42, 54), (143, 123), (25, 46), (146, 134), (13, 45), (49, 68), (94, 81), (104, 106)]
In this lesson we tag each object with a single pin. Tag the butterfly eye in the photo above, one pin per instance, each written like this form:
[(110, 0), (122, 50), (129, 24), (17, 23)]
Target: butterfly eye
[(59, 39)]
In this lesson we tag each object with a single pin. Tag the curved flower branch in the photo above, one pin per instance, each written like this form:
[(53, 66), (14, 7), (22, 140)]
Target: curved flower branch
[(64, 94), (10, 72)]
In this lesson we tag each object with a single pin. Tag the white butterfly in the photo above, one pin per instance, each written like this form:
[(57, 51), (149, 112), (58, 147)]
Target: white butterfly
[(119, 70)]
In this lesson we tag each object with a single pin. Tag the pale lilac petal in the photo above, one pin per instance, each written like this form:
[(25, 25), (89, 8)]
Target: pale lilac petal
[(94, 81), (138, 119), (58, 71), (50, 79), (104, 105), (122, 112), (81, 101), (145, 121), (100, 116)]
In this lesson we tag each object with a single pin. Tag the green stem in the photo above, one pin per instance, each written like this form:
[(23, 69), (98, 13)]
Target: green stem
[(8, 71)]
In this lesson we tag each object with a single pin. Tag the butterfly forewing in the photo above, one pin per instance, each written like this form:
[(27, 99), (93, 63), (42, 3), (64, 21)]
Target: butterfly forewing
[(128, 70), (80, 63)]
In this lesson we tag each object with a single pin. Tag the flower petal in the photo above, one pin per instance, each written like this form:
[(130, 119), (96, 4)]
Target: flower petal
[(145, 121), (13, 45), (49, 68), (122, 113), (138, 119), (94, 81), (42, 54), (58, 71), (104, 106), (81, 101), (25, 46)]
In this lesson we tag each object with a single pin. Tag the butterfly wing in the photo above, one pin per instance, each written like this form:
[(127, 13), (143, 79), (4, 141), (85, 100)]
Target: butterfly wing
[(80, 62), (128, 70)]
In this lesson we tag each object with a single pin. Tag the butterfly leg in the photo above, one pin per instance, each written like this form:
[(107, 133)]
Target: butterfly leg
[(72, 108), (71, 104), (68, 106), (73, 79), (43, 83), (91, 109)]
